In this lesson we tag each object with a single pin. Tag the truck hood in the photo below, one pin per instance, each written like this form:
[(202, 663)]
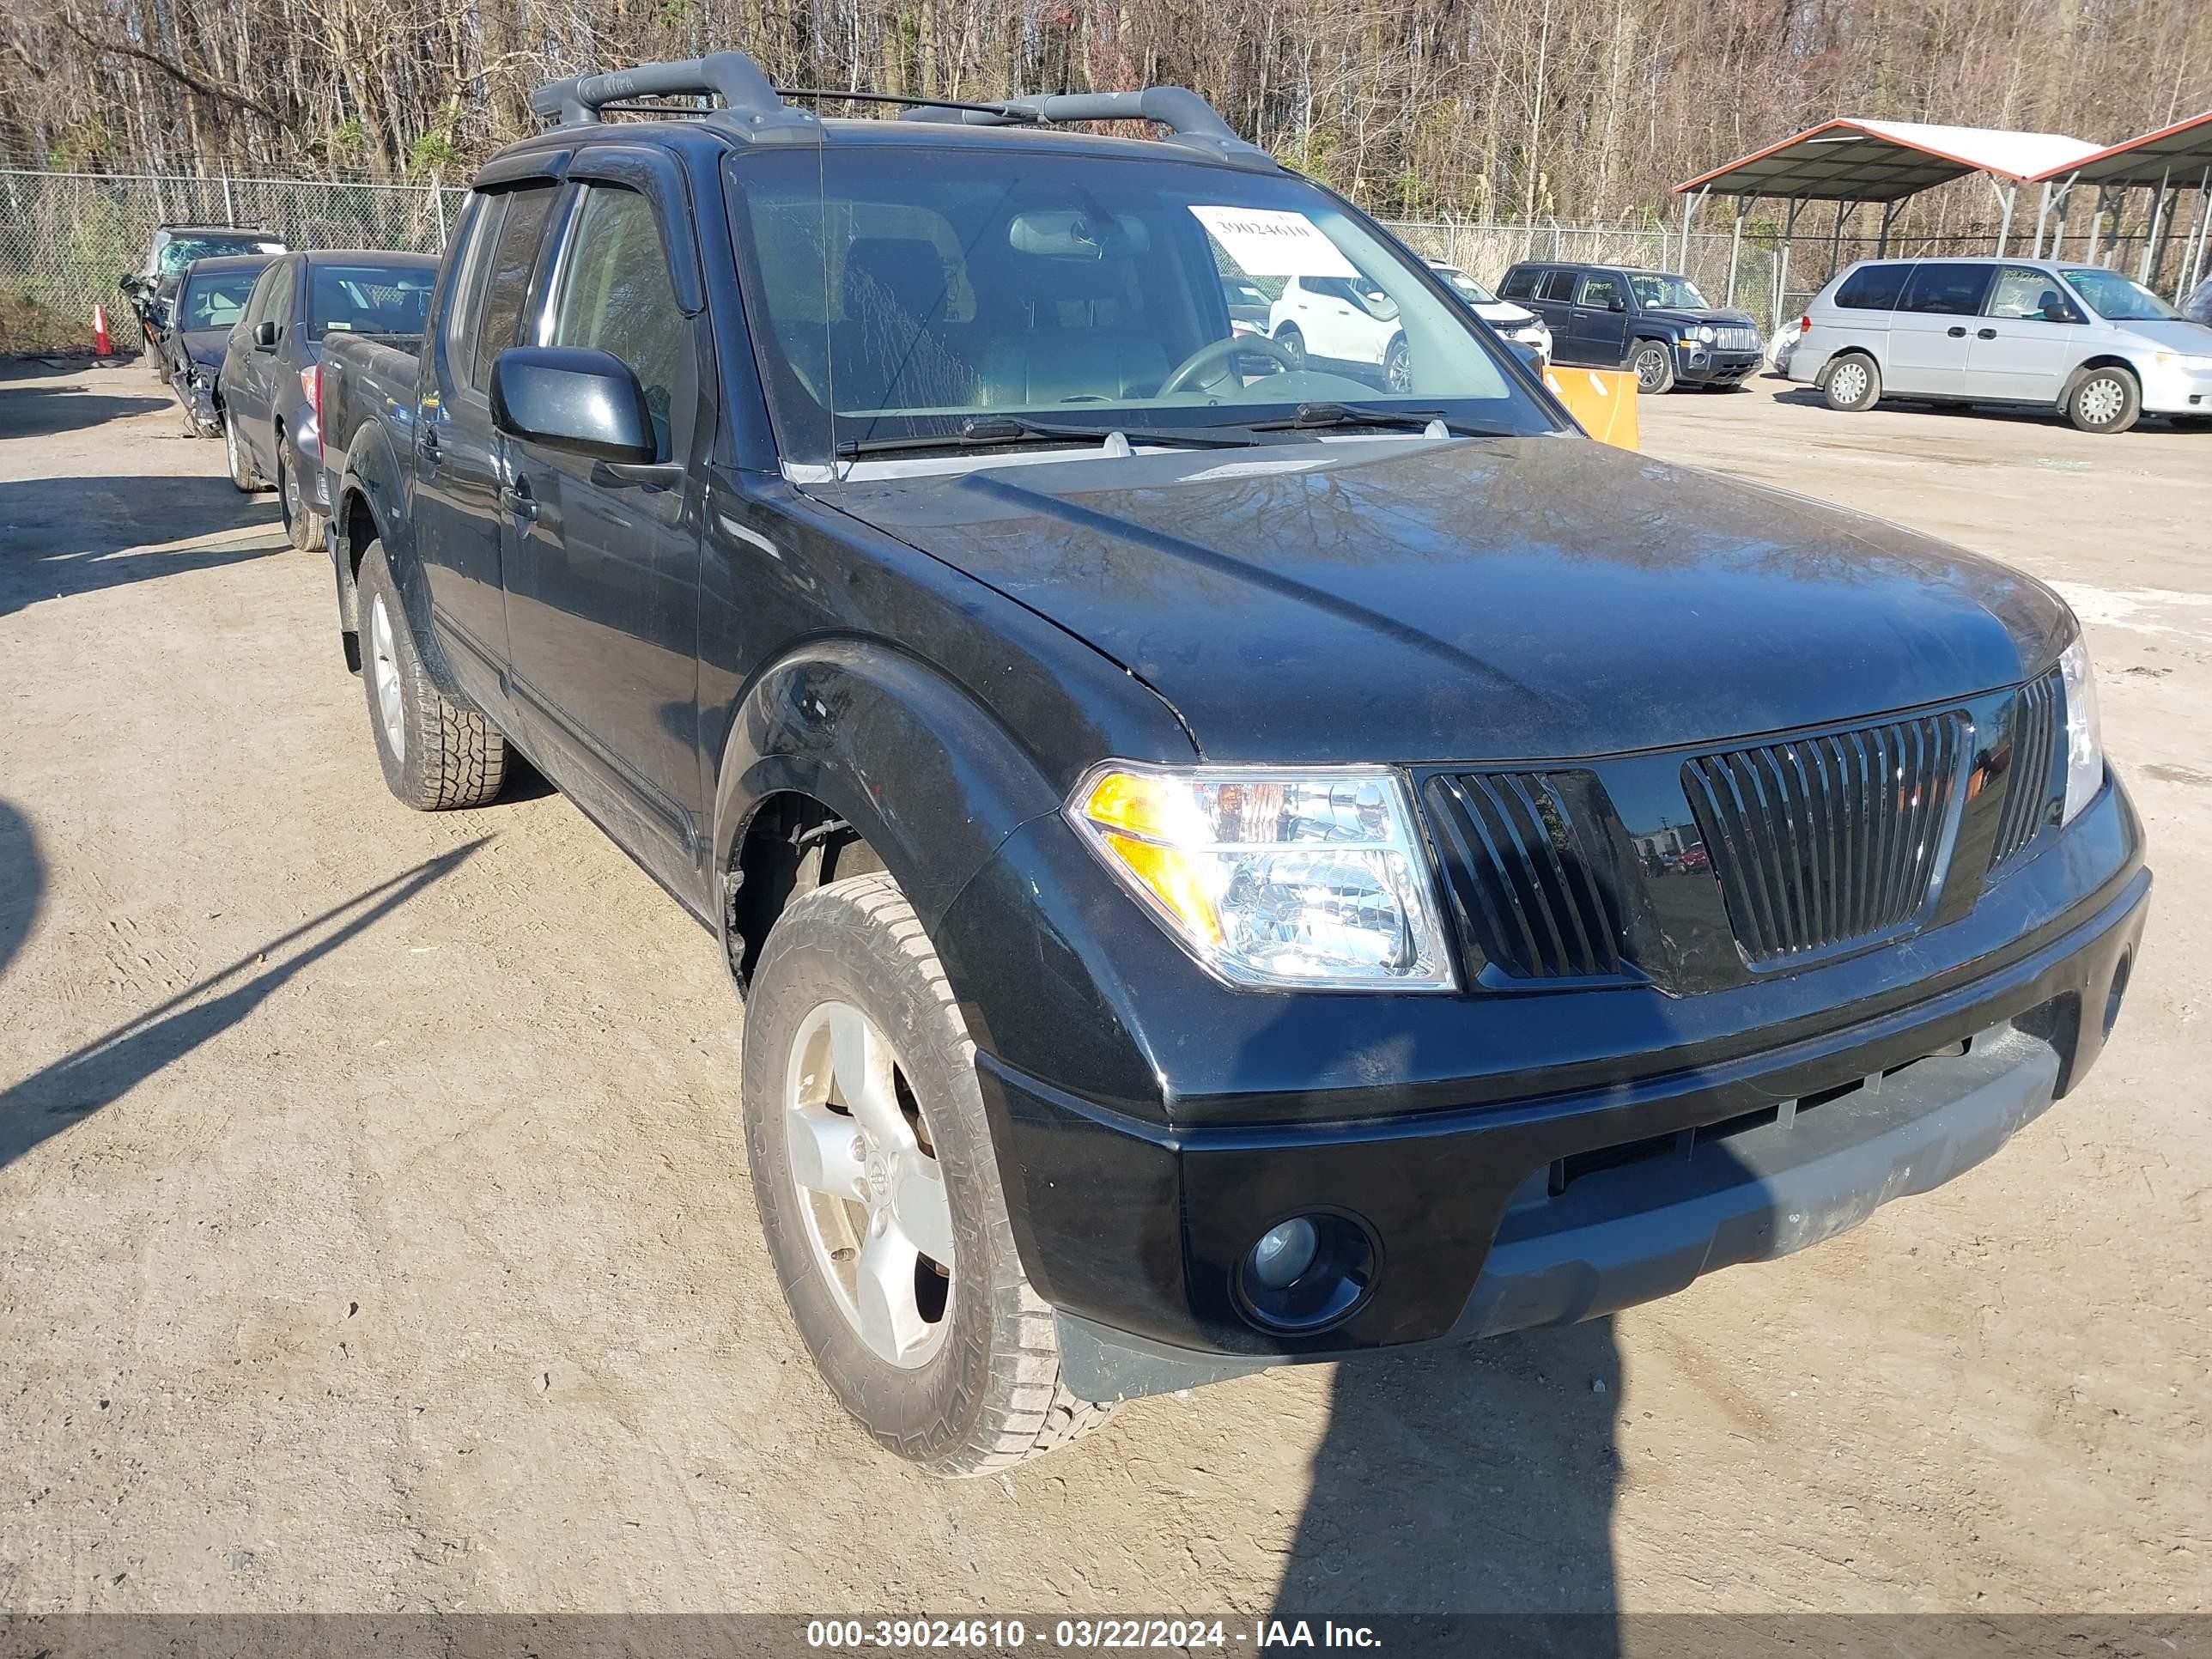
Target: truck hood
[(205, 346), (1686, 318), (1409, 599)]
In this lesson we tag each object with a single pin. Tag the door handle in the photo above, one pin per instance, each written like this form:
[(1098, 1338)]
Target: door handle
[(1985, 334), (1956, 333), (517, 499)]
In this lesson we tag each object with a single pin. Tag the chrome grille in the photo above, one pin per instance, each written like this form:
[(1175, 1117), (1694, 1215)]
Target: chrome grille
[(1736, 339), (2028, 797), (1527, 872), (1824, 839)]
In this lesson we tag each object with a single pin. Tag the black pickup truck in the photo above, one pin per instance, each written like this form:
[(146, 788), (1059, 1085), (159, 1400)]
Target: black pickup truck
[(1228, 862)]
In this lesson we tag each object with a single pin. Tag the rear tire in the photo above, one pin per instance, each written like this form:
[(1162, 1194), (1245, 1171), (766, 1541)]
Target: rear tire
[(241, 464), (303, 526), (1295, 344), (1652, 362), (953, 1364), (1853, 384), (437, 756), (1398, 367), (2104, 401)]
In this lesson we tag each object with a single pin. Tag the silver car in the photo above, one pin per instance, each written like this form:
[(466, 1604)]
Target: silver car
[(2079, 339)]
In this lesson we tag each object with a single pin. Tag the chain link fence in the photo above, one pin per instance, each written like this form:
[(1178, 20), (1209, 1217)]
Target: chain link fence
[(66, 237)]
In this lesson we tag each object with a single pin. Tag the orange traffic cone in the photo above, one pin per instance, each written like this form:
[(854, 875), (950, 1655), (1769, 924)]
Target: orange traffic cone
[(102, 346)]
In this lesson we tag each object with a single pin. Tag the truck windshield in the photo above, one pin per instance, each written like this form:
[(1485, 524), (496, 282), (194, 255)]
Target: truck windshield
[(1668, 293), (2116, 299), (369, 300), (899, 292), (180, 251)]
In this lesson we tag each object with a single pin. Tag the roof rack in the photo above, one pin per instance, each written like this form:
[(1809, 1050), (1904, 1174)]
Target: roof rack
[(757, 110), (1192, 121), (748, 103)]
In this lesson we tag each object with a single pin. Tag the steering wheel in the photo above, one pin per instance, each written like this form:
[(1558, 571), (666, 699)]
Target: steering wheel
[(1217, 354)]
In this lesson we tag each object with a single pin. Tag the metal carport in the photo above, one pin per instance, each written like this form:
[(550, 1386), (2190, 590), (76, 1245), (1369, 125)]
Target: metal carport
[(2171, 162), (1849, 161)]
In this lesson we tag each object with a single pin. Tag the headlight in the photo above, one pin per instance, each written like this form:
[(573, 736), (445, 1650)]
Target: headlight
[(1275, 879), (1705, 335), (2085, 742), (2182, 359)]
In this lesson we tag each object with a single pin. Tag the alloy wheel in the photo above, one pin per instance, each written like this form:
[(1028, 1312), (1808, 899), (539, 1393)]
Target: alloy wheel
[(872, 1194), (1650, 369), (384, 667)]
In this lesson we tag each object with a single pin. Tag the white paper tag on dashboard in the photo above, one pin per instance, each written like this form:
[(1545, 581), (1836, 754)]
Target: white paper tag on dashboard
[(1268, 242)]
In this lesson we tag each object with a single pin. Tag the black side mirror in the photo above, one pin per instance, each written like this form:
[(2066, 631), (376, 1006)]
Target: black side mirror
[(265, 335), (1531, 359), (586, 402), (1616, 303)]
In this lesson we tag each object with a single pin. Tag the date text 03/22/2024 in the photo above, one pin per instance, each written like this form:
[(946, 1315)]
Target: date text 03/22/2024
[(1000, 1635)]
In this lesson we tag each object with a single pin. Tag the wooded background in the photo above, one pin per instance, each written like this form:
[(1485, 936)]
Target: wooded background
[(1512, 110)]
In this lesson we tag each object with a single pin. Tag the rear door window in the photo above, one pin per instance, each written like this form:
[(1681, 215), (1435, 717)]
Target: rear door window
[(1872, 287), (506, 276), (1945, 289), (1558, 285)]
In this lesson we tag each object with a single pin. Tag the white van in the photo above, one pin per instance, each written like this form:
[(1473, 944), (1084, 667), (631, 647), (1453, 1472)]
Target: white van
[(2079, 339)]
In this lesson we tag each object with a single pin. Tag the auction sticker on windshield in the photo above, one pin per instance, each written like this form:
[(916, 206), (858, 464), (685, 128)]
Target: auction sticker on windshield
[(1268, 242)]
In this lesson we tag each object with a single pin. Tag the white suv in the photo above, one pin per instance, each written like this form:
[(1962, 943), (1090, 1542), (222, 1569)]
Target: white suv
[(1342, 321), (2079, 339)]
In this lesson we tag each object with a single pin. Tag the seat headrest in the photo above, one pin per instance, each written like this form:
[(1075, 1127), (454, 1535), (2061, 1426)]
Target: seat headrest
[(905, 272)]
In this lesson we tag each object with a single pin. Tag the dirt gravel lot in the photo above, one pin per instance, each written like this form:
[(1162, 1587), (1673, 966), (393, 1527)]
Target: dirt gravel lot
[(374, 1230)]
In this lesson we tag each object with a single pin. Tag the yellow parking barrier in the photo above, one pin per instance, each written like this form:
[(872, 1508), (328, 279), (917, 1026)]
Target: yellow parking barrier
[(1602, 399)]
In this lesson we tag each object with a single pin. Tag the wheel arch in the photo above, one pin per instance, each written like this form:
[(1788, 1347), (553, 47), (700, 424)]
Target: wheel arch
[(1828, 363), (849, 742), (2089, 366)]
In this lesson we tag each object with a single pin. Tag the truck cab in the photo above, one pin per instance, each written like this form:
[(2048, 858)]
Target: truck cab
[(1233, 855)]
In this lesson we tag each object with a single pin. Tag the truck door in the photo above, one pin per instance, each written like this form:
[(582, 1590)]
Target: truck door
[(601, 563), (1599, 324), (456, 511), (1934, 323)]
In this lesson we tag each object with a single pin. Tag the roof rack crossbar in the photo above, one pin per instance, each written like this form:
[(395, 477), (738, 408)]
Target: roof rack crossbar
[(1189, 117), (749, 102)]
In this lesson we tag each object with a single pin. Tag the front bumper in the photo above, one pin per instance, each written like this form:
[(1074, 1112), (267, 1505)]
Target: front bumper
[(1551, 1208), (2173, 390), (196, 391), (1697, 365)]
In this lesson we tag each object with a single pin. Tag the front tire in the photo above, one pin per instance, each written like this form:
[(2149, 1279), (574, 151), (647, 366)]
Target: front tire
[(1294, 345), (437, 756), (1653, 365), (879, 1195), (1853, 385), (2105, 400), (1398, 367)]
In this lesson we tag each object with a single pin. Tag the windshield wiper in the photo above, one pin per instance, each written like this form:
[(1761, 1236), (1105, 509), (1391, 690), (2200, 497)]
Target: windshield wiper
[(1314, 417), (980, 431)]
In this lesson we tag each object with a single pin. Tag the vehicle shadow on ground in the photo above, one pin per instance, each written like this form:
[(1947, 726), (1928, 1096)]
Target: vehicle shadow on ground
[(40, 411), (59, 1095), (60, 538), (22, 883), (1472, 1479)]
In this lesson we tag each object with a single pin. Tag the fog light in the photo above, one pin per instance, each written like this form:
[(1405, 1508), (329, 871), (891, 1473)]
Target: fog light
[(1285, 1252), (2111, 1007), (1305, 1275)]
